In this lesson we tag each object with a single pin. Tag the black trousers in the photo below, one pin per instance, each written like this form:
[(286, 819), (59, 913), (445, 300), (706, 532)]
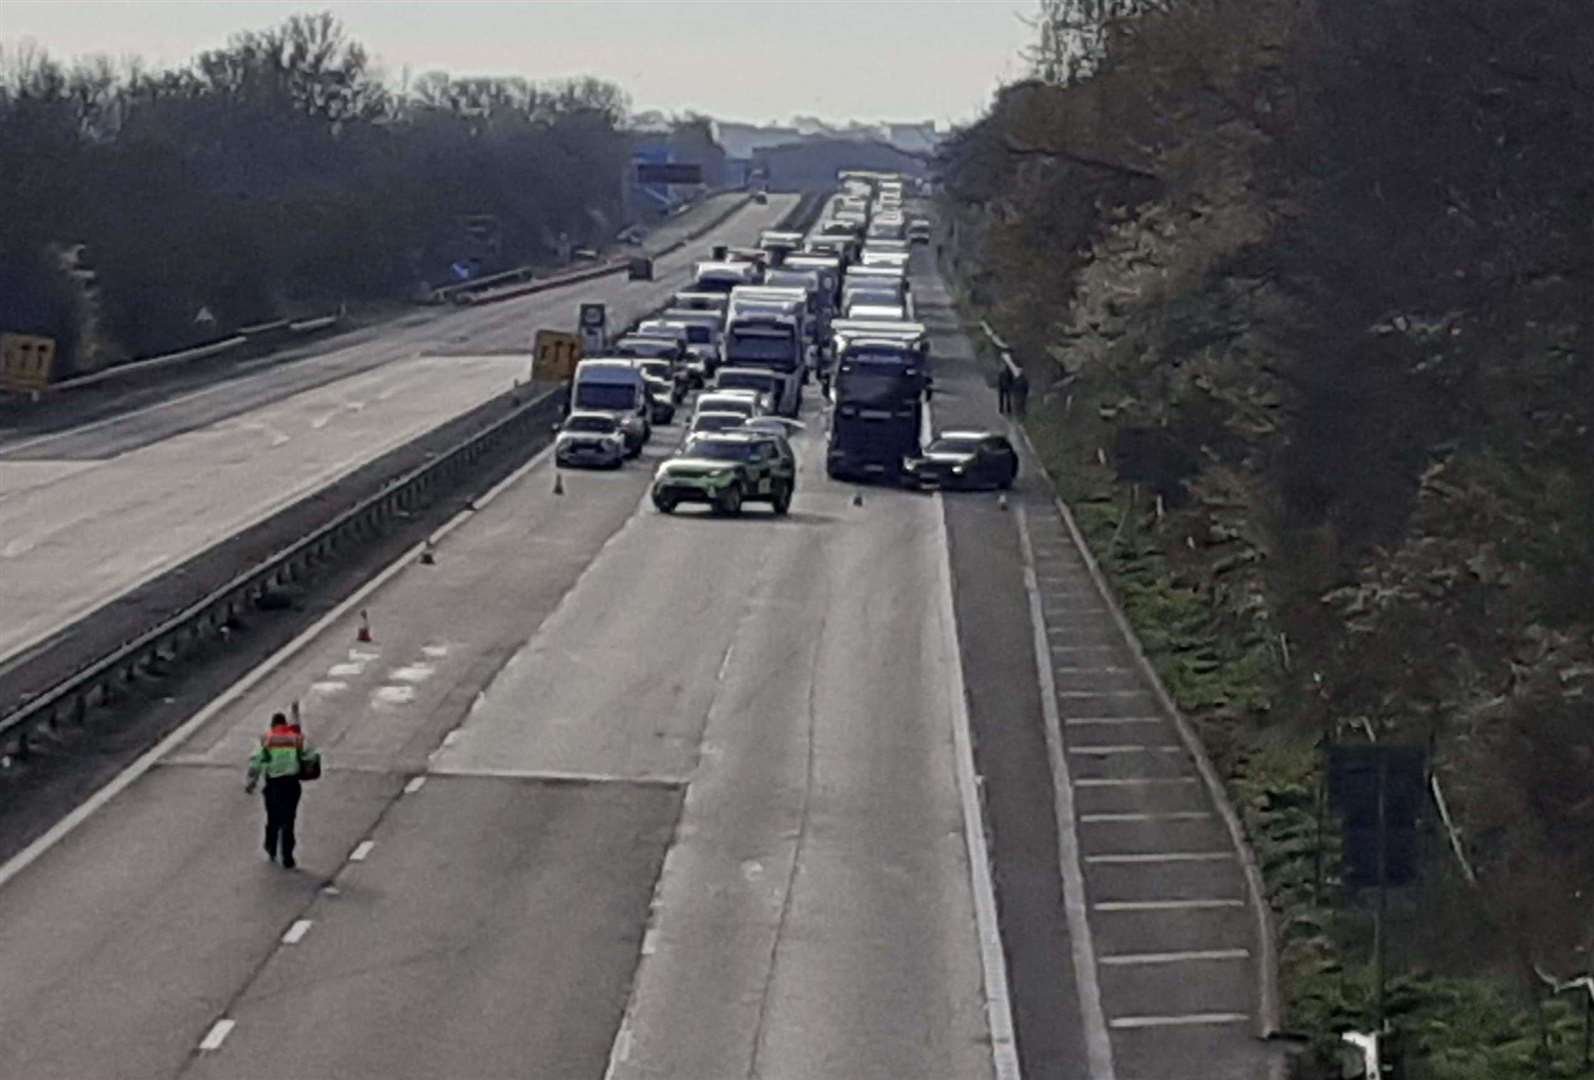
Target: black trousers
[(282, 806)]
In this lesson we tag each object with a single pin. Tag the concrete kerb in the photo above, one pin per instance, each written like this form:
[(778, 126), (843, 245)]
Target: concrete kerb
[(1268, 1008)]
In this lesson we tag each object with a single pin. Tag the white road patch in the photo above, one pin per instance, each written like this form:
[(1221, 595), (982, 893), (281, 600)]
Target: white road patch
[(328, 686), (296, 932), (345, 671), (1166, 905), (1123, 748), (394, 695), (1190, 956), (560, 776), (412, 673), (415, 784), (1185, 1020), (1098, 1043), (1161, 857), (434, 652), (993, 960), (650, 941), (217, 1034), (361, 850)]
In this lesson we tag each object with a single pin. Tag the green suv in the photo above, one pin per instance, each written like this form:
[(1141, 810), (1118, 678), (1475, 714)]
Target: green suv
[(726, 470)]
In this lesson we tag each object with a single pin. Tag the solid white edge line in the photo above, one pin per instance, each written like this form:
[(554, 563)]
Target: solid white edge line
[(296, 932), (217, 1034), (998, 1002), (1098, 1043), (185, 731)]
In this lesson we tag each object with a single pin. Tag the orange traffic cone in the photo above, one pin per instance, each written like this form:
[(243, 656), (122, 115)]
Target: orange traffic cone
[(365, 628)]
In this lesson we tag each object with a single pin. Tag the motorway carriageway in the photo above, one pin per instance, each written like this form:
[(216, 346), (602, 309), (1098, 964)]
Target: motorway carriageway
[(610, 794), (89, 513), (620, 795)]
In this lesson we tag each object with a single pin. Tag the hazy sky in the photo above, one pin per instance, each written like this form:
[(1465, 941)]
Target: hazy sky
[(755, 60)]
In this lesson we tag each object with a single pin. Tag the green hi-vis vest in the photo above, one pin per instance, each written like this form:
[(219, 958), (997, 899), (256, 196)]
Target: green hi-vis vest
[(279, 755)]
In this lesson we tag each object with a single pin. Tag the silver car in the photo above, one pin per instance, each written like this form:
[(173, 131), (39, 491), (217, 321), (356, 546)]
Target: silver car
[(590, 438)]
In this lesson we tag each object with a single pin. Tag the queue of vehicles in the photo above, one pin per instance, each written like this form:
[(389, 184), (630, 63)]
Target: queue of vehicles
[(754, 328)]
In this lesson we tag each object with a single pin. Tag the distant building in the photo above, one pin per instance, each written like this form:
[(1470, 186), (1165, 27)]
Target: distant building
[(812, 165)]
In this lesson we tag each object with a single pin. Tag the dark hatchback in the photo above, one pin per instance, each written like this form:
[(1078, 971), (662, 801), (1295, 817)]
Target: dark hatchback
[(964, 459)]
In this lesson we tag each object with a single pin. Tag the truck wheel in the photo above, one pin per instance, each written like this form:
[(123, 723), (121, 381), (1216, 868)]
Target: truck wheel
[(664, 504), (730, 503), (780, 502)]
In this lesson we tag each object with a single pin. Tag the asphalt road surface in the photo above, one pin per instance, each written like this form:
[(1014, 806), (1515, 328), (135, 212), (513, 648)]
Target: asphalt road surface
[(90, 512), (686, 808), (614, 795)]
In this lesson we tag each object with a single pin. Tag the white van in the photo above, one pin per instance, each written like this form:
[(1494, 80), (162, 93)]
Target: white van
[(615, 387)]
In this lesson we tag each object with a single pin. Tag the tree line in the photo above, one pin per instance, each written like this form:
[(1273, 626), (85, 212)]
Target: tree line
[(273, 176), (1311, 285)]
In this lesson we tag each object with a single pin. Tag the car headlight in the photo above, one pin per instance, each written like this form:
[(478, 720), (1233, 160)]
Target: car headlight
[(957, 470), (910, 465)]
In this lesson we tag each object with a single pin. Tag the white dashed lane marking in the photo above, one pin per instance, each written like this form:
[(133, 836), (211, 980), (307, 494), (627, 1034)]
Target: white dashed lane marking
[(362, 850), (217, 1034), (296, 932)]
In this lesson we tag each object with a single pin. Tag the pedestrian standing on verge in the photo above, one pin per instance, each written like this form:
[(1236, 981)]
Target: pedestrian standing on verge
[(1020, 393), (1004, 389), (282, 761)]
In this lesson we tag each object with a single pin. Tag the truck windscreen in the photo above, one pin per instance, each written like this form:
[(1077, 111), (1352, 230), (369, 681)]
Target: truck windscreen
[(875, 387), (766, 350), (607, 397)]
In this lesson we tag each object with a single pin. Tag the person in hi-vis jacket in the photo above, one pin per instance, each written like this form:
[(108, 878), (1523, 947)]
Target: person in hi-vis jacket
[(281, 761)]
